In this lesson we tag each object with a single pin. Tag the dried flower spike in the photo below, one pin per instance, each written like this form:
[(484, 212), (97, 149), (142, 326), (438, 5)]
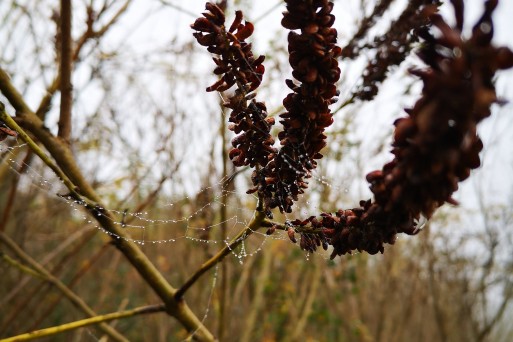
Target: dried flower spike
[(237, 66), (435, 146), (392, 47), (313, 52)]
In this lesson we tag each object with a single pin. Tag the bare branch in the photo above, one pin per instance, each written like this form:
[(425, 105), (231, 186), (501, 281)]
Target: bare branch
[(82, 191), (89, 33), (88, 321), (20, 266), (74, 298), (66, 67), (12, 94)]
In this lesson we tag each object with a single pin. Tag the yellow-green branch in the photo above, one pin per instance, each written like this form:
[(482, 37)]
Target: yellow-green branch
[(66, 291), (85, 322), (77, 184), (21, 267), (37, 150)]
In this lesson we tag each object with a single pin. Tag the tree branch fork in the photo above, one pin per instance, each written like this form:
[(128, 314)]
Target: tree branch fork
[(174, 303)]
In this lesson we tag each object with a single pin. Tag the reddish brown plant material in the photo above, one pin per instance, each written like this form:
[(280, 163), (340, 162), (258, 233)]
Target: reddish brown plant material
[(237, 66), (353, 48), (435, 147), (5, 131), (392, 47), (313, 52)]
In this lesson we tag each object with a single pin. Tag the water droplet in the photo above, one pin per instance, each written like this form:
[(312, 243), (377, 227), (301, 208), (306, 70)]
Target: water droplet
[(420, 223), (485, 27)]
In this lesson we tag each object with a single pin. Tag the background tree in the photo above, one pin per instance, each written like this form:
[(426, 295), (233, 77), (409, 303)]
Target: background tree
[(127, 172)]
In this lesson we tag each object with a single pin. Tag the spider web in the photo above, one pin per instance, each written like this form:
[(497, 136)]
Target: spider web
[(158, 225)]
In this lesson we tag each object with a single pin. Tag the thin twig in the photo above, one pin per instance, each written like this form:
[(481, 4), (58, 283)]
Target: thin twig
[(88, 321), (113, 20), (178, 8), (37, 150), (20, 266), (121, 307), (306, 310), (73, 297), (346, 103), (51, 304), (259, 298), (13, 190), (256, 222), (223, 212), (66, 66), (268, 11), (20, 286), (89, 33)]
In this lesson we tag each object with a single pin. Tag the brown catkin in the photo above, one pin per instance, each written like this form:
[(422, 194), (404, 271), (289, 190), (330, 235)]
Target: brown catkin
[(237, 66), (313, 57), (435, 146)]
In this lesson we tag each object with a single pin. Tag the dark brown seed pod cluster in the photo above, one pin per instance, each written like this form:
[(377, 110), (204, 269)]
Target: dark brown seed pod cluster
[(392, 47), (313, 52), (353, 48), (237, 66), (435, 146), (346, 230)]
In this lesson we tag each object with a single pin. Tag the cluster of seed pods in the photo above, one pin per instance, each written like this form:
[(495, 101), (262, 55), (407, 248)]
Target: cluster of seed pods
[(237, 66), (392, 47), (313, 56), (435, 146)]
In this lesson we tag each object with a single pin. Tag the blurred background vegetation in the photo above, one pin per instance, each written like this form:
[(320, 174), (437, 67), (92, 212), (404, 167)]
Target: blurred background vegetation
[(151, 141)]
